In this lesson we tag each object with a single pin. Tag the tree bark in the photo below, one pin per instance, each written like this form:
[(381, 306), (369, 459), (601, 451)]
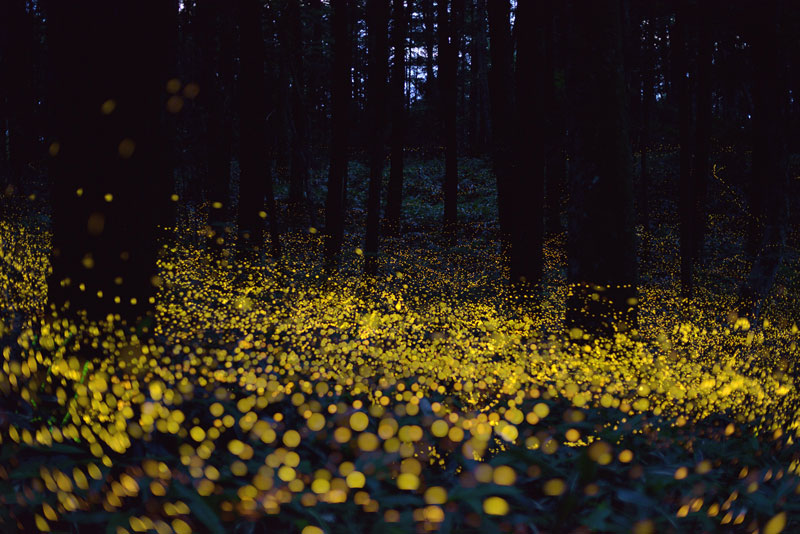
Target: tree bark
[(527, 198), (601, 241), (256, 196), (770, 163), (215, 21), (448, 87), (479, 82), (686, 203), (394, 199), (340, 101), (704, 13), (501, 91), (377, 88)]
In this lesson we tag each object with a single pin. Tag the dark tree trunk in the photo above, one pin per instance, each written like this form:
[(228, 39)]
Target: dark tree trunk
[(555, 164), (527, 194), (215, 21), (340, 101), (110, 184), (704, 12), (291, 30), (256, 196), (429, 37), (770, 170), (479, 83), (678, 45), (648, 98), (18, 84), (448, 87), (394, 198), (501, 91), (377, 89), (601, 240)]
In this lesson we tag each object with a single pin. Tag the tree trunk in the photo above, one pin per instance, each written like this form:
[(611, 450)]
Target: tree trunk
[(601, 240), (291, 32), (479, 86), (215, 21), (19, 36), (110, 184), (255, 180), (501, 91), (394, 199), (686, 189), (705, 46), (527, 194), (555, 164), (377, 88), (770, 163), (648, 65), (340, 102), (448, 87)]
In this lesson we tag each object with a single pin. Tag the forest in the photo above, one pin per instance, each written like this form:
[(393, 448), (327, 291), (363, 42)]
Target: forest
[(389, 266)]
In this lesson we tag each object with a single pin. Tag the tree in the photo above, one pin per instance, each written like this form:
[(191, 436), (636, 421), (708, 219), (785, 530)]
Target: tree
[(340, 101), (527, 193), (293, 47), (770, 177), (17, 91), (215, 32), (501, 92), (110, 184), (255, 181), (704, 13), (601, 241), (686, 204), (377, 88), (448, 92), (394, 197), (479, 81), (648, 100)]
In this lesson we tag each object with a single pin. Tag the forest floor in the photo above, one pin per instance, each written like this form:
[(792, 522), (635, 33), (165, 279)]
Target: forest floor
[(275, 398)]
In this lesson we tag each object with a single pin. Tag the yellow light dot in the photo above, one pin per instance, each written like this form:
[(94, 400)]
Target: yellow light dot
[(407, 481), (181, 527), (316, 422), (554, 487), (291, 438), (197, 433), (359, 421), (626, 456), (173, 197), (236, 447), (54, 149), (108, 107), (495, 506), (126, 148), (504, 476), (435, 495), (542, 410), (356, 479), (311, 529), (108, 197), (681, 473)]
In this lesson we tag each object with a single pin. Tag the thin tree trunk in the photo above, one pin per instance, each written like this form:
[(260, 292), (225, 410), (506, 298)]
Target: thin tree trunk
[(601, 241), (479, 86), (555, 164), (394, 199), (704, 13), (448, 87), (340, 101), (377, 88), (255, 182), (685, 187), (215, 21), (648, 59)]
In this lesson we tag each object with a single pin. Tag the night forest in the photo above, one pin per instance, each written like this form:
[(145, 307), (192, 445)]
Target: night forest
[(388, 266)]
